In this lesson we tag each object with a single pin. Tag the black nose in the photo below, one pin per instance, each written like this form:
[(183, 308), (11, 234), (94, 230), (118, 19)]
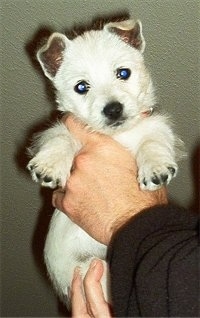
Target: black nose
[(113, 110)]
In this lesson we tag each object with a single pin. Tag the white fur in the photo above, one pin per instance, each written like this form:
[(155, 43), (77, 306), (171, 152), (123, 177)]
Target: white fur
[(95, 57)]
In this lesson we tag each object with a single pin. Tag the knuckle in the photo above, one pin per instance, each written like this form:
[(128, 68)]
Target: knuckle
[(73, 183), (81, 161), (70, 183), (67, 207)]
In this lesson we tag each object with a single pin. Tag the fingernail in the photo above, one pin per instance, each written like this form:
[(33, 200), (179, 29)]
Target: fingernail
[(77, 272), (93, 263), (64, 118), (54, 199)]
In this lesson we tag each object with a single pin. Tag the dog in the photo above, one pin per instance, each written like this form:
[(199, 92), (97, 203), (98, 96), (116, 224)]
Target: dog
[(100, 77)]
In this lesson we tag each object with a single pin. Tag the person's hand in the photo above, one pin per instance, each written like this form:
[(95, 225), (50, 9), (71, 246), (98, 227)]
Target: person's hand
[(102, 192), (87, 295)]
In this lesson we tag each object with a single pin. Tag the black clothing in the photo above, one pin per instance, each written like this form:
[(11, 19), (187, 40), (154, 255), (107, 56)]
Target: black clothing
[(154, 265)]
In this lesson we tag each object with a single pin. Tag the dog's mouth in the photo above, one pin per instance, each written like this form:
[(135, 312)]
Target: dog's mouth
[(116, 123)]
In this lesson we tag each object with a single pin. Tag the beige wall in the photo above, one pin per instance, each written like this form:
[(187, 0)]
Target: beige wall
[(171, 31)]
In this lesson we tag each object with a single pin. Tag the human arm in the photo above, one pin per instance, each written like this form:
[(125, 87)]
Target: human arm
[(154, 264)]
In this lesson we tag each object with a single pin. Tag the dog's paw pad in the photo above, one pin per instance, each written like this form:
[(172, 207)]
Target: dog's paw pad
[(172, 170), (144, 182), (39, 174), (47, 179), (160, 179), (164, 178), (153, 178)]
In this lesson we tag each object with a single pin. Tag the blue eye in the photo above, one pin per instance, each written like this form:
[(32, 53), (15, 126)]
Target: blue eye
[(81, 87), (123, 73)]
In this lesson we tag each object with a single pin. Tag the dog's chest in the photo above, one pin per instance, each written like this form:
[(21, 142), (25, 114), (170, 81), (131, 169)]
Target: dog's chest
[(131, 139)]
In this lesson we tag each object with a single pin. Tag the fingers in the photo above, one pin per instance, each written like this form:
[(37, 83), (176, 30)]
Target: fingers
[(96, 303), (81, 131), (57, 199), (79, 308), (93, 302)]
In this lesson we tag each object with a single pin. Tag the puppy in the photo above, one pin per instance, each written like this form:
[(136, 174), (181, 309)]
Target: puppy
[(101, 78)]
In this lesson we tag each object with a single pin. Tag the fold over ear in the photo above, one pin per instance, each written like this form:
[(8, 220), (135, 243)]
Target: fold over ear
[(129, 31), (51, 55)]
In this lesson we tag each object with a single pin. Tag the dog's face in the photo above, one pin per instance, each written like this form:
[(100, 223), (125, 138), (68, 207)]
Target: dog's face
[(100, 76)]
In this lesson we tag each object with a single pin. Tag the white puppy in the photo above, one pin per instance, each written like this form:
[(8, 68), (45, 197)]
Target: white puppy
[(101, 78)]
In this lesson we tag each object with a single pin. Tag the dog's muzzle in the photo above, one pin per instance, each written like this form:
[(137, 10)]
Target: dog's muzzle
[(113, 111)]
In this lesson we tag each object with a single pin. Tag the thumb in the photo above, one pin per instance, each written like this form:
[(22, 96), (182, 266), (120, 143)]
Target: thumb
[(81, 131)]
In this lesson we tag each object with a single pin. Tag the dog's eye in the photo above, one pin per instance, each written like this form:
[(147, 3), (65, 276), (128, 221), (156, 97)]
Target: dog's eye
[(123, 73), (82, 87)]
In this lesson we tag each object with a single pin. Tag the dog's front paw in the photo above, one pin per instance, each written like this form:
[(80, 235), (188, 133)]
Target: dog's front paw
[(41, 175), (153, 177), (49, 171)]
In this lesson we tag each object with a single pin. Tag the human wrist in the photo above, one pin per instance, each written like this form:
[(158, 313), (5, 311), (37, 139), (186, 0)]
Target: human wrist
[(124, 219), (120, 222)]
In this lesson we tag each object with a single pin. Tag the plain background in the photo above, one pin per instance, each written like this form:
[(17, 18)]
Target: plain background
[(171, 30)]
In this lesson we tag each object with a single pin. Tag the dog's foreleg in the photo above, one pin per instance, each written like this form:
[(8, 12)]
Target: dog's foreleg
[(156, 149), (156, 165), (53, 151)]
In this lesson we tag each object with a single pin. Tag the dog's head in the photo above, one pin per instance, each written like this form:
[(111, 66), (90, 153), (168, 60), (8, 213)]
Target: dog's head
[(100, 76)]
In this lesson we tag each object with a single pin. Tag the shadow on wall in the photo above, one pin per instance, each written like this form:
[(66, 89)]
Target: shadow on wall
[(195, 167)]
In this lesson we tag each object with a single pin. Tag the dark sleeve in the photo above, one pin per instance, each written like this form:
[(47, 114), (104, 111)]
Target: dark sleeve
[(154, 265)]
